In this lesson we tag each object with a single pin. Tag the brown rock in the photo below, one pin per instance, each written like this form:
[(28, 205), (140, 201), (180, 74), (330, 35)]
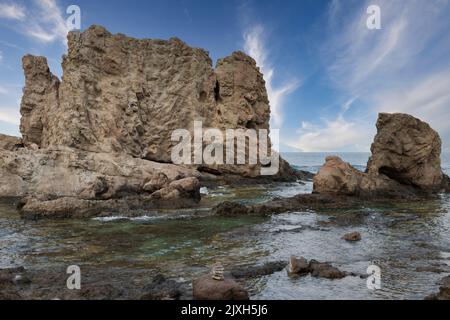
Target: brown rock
[(103, 133), (74, 183), (407, 150), (126, 95), (40, 102), (205, 288), (298, 266), (10, 143), (325, 270), (405, 161), (156, 183), (339, 177), (352, 236)]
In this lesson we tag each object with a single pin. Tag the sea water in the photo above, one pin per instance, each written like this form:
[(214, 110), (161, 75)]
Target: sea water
[(399, 238)]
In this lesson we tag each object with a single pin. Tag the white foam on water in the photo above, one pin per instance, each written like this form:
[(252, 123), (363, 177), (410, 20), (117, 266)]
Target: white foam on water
[(110, 219)]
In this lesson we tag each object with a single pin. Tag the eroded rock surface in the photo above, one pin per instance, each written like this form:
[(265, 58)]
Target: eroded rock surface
[(101, 137), (10, 143), (124, 95), (407, 150), (70, 182), (206, 288), (405, 161)]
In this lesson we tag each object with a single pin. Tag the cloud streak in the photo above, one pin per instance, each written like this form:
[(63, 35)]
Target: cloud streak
[(12, 11), (10, 115), (254, 45), (43, 22), (403, 67), (341, 134)]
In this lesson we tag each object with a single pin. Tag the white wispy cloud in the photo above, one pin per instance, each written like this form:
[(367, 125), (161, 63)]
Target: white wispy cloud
[(10, 115), (428, 99), (12, 11), (332, 135), (3, 90), (43, 22), (1, 56), (255, 46), (400, 68)]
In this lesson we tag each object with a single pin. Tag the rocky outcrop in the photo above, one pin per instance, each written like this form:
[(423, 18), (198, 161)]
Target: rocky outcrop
[(101, 138), (10, 143), (407, 150), (405, 161), (70, 182), (40, 102), (206, 288), (301, 267), (352, 236), (124, 95)]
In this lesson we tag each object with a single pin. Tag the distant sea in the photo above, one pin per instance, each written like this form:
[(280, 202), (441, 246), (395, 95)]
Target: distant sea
[(312, 161)]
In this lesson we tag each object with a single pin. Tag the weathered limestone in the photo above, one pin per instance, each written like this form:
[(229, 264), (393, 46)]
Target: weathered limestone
[(339, 177), (40, 102), (88, 178), (407, 150), (405, 160), (100, 139), (124, 95)]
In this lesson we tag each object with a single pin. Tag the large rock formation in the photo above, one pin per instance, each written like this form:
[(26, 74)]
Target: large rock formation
[(124, 95), (101, 138), (405, 161), (407, 150)]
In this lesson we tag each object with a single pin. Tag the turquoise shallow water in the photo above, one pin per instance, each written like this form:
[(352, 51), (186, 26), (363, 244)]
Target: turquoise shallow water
[(184, 243)]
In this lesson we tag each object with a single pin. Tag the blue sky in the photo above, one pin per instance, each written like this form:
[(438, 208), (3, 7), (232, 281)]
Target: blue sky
[(327, 74)]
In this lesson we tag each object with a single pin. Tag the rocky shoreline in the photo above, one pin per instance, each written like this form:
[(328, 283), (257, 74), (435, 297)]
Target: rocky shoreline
[(97, 143)]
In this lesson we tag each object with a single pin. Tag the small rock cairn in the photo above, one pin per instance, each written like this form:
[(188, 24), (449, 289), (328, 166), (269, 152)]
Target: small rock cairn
[(217, 272)]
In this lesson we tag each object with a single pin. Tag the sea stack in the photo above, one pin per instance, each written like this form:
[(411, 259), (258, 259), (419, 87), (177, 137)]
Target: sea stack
[(405, 162), (99, 139)]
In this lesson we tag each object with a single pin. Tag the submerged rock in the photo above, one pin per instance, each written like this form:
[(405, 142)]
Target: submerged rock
[(325, 270), (405, 161), (228, 208), (206, 288), (265, 269), (163, 289)]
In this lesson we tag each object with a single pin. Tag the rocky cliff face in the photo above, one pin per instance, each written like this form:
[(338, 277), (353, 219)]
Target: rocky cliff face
[(405, 161), (124, 95), (100, 139), (40, 102)]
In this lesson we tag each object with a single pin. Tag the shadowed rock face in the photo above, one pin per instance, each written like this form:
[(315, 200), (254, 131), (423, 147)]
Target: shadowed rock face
[(124, 95), (40, 102), (407, 150), (405, 160)]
